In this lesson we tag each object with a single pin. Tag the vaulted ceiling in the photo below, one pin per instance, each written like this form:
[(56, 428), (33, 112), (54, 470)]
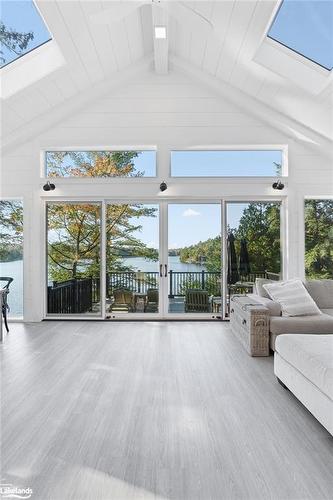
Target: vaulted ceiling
[(102, 40)]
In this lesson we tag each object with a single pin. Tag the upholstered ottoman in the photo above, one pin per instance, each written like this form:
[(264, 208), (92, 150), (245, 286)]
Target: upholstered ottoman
[(304, 364)]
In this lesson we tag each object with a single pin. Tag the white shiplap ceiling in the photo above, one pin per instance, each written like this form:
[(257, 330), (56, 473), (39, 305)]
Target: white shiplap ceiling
[(219, 40)]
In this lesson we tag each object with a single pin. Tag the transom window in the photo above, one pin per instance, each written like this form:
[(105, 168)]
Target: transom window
[(100, 163), (22, 29), (306, 27), (226, 163)]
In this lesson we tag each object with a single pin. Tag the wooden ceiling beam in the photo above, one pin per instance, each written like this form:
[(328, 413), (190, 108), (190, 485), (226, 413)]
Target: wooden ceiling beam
[(161, 45)]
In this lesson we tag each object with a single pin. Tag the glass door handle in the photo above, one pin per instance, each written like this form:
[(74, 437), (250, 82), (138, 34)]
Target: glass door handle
[(161, 275), (165, 270)]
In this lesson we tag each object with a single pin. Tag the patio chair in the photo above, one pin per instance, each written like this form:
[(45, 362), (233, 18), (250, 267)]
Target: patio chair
[(4, 302), (123, 301), (197, 301), (152, 300), (273, 276)]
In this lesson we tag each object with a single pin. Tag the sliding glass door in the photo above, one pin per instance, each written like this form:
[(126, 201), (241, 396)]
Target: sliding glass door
[(194, 259), (252, 246), (158, 260), (132, 260), (73, 259)]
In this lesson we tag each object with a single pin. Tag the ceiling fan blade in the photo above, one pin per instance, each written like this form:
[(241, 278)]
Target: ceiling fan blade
[(116, 12), (186, 14)]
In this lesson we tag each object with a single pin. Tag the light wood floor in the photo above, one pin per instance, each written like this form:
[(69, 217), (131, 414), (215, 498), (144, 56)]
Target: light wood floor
[(153, 411)]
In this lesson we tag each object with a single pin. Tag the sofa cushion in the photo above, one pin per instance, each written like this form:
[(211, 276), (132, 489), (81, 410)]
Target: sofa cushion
[(260, 290), (312, 356), (321, 291), (293, 297), (315, 324), (274, 308)]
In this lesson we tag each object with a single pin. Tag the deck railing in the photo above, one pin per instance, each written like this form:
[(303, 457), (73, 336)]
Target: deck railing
[(135, 281), (77, 296), (70, 297), (180, 281)]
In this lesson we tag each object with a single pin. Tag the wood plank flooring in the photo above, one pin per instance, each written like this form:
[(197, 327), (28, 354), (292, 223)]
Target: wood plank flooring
[(153, 410)]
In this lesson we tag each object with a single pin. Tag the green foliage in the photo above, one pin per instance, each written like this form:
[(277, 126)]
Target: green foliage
[(74, 238), (206, 252), (319, 239), (11, 230), (260, 227), (13, 41), (211, 284), (74, 244), (92, 164)]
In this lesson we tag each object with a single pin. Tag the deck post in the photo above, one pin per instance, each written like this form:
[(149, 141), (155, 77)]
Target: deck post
[(171, 296)]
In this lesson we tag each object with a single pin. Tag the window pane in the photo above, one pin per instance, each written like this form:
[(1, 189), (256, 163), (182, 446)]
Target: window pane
[(194, 263), (101, 163), (11, 253), (318, 239), (253, 245), (132, 259), (225, 163), (22, 29), (73, 232), (307, 28)]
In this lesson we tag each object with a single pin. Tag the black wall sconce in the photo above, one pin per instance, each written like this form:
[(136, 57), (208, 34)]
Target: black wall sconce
[(278, 185), (49, 186), (163, 186)]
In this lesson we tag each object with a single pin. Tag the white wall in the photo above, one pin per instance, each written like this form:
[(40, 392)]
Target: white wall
[(166, 112)]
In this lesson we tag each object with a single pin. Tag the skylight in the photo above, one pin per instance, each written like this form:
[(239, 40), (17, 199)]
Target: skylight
[(22, 29), (306, 27)]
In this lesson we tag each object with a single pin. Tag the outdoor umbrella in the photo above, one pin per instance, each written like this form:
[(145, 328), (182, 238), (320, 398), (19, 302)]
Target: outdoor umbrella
[(244, 260), (233, 275)]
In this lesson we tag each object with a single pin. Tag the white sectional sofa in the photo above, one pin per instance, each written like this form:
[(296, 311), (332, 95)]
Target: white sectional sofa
[(322, 293), (304, 364)]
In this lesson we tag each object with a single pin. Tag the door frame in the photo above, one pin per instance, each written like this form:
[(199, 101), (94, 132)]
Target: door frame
[(187, 316), (163, 313)]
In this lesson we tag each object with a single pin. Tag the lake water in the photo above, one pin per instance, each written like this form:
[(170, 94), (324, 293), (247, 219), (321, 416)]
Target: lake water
[(149, 266), (14, 269)]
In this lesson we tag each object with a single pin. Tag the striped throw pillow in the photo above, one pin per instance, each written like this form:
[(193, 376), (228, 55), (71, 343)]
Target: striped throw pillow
[(293, 298)]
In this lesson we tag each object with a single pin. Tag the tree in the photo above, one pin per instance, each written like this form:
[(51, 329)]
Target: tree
[(11, 230), (92, 164), (260, 227), (207, 252), (13, 41), (319, 239), (75, 240), (74, 229)]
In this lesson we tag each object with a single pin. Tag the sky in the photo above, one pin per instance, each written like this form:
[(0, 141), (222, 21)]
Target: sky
[(307, 28), (23, 16), (224, 163), (188, 223)]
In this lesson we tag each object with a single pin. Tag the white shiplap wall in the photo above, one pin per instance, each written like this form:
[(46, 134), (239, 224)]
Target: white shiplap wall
[(167, 112)]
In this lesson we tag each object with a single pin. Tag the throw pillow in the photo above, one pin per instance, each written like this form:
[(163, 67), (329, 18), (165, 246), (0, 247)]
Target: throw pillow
[(293, 298), (260, 282)]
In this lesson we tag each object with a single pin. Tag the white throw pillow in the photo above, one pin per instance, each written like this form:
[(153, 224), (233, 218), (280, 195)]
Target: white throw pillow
[(293, 298), (259, 284)]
